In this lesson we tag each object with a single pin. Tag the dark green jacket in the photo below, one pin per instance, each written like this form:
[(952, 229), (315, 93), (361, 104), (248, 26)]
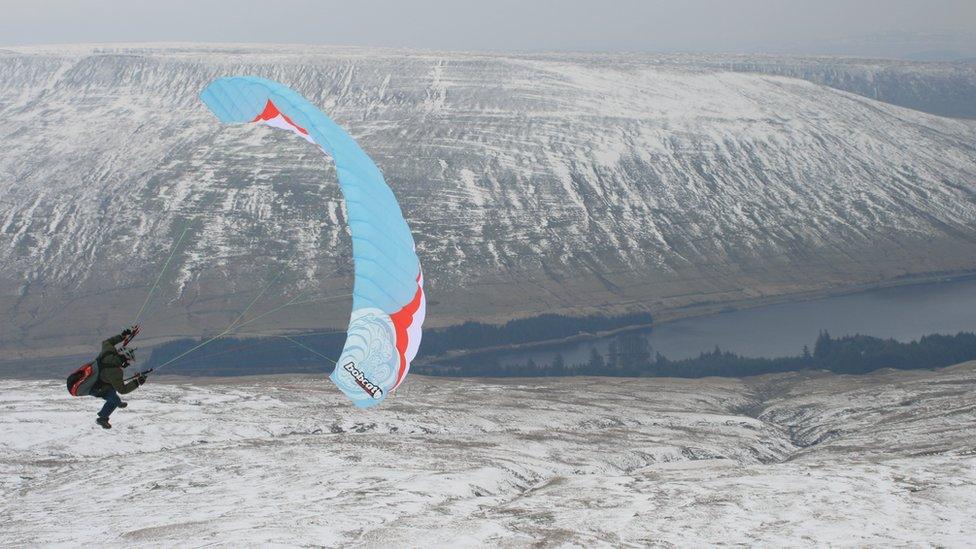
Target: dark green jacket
[(110, 366)]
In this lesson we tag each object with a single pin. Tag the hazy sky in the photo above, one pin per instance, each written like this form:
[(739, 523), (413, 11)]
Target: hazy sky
[(826, 26)]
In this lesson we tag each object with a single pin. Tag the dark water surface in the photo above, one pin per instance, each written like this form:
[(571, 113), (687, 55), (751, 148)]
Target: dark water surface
[(903, 313)]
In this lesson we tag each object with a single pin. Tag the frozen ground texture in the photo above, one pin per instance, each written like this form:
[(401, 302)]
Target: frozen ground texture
[(809, 459), (533, 183)]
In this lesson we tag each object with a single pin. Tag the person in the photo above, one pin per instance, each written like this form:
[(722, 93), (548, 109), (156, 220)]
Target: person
[(111, 380)]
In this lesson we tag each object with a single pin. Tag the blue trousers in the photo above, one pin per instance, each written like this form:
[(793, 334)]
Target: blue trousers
[(112, 400)]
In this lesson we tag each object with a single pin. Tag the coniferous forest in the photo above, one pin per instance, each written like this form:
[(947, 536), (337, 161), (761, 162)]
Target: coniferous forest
[(630, 356)]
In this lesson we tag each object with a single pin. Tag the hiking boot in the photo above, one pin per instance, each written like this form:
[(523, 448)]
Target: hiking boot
[(103, 421), (123, 404)]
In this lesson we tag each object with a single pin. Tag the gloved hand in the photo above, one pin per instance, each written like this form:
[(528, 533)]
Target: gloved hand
[(128, 353), (141, 378), (126, 332)]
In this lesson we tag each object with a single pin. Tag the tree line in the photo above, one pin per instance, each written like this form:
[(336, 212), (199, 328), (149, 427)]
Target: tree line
[(630, 355)]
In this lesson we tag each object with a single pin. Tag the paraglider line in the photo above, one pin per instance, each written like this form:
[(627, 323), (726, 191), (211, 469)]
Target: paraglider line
[(255, 300), (161, 273), (230, 329), (234, 326), (294, 301), (302, 334), (323, 299), (260, 342), (309, 349), (169, 259), (227, 331)]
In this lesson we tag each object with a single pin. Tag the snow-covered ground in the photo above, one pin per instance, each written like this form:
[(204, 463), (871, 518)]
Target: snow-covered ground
[(799, 459)]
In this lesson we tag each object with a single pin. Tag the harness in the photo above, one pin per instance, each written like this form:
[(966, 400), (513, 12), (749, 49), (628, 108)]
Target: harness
[(82, 381)]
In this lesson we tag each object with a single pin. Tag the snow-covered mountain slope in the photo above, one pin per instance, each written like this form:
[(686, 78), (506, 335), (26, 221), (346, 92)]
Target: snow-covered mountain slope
[(814, 459), (569, 184), (946, 89)]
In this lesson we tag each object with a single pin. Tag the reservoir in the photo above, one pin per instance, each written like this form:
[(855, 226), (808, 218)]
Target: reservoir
[(903, 313)]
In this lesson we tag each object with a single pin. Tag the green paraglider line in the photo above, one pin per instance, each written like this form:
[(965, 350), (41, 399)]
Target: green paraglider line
[(302, 334), (169, 259), (227, 331), (162, 271), (322, 299), (253, 343), (256, 298), (257, 343), (232, 328), (309, 349)]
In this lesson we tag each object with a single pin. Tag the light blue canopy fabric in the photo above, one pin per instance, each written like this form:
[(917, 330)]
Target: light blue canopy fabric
[(388, 300)]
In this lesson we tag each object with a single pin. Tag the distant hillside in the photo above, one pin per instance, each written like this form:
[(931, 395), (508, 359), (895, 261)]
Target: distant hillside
[(535, 184)]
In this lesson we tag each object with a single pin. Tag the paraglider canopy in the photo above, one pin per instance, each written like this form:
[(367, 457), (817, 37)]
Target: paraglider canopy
[(388, 297)]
